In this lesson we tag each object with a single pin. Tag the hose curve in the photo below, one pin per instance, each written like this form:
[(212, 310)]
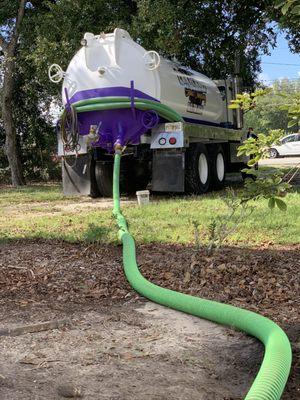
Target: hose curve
[(274, 371)]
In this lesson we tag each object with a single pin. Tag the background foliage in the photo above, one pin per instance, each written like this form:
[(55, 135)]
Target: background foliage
[(210, 36), (269, 111)]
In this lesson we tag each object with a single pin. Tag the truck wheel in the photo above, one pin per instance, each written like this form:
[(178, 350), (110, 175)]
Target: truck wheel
[(218, 168), (104, 177), (94, 190), (197, 169)]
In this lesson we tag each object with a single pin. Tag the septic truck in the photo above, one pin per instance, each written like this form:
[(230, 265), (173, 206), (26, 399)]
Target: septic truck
[(173, 124)]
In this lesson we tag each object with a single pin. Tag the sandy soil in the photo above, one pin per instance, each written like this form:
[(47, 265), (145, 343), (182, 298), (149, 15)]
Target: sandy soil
[(128, 351), (76, 204)]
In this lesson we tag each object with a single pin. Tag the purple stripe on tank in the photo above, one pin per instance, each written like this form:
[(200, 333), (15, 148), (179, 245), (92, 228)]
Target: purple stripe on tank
[(110, 91)]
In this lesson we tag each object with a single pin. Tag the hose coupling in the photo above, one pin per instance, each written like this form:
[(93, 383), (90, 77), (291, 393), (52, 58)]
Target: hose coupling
[(118, 148)]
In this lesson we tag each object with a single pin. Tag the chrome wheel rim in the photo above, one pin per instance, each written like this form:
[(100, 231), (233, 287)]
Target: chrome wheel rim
[(203, 168), (220, 166)]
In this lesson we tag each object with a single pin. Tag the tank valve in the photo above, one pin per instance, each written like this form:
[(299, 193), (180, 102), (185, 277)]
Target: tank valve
[(93, 135), (101, 71)]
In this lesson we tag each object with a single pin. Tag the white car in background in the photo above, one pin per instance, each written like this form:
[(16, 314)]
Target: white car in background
[(289, 146)]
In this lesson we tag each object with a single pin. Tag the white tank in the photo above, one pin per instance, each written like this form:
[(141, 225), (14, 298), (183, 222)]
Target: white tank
[(107, 63)]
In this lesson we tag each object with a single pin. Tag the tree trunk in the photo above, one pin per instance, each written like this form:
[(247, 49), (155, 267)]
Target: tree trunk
[(11, 148)]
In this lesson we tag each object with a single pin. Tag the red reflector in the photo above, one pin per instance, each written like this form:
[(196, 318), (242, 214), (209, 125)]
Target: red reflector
[(172, 140)]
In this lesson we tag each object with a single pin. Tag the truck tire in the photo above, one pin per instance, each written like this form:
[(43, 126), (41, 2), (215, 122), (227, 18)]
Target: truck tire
[(104, 177), (94, 190), (197, 169), (218, 169)]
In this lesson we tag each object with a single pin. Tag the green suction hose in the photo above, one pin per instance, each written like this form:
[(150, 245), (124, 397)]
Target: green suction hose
[(274, 371), (111, 102)]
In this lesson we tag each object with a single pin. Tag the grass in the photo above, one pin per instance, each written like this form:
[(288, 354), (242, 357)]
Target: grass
[(31, 194), (43, 212)]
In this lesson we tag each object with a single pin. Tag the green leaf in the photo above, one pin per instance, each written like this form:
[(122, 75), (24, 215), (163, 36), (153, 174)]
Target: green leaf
[(280, 3), (252, 162), (291, 123), (281, 204), (234, 106), (251, 171), (296, 10), (271, 203), (285, 8)]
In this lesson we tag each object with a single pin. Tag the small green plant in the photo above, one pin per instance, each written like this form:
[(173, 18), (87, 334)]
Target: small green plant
[(247, 101), (259, 183), (222, 226), (269, 184), (196, 234), (258, 148)]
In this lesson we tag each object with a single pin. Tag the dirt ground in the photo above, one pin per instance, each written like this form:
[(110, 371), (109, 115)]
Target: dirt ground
[(115, 345)]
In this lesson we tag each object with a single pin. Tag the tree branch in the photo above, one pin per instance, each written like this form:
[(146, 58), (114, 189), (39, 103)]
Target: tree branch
[(20, 16), (16, 31), (3, 43)]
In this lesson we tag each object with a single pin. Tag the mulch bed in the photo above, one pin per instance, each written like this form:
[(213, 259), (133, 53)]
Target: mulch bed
[(265, 279)]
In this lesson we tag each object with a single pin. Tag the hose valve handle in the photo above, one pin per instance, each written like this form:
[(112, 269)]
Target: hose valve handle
[(55, 73)]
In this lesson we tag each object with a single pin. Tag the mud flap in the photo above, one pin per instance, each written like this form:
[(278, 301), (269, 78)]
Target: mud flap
[(76, 175), (168, 171)]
